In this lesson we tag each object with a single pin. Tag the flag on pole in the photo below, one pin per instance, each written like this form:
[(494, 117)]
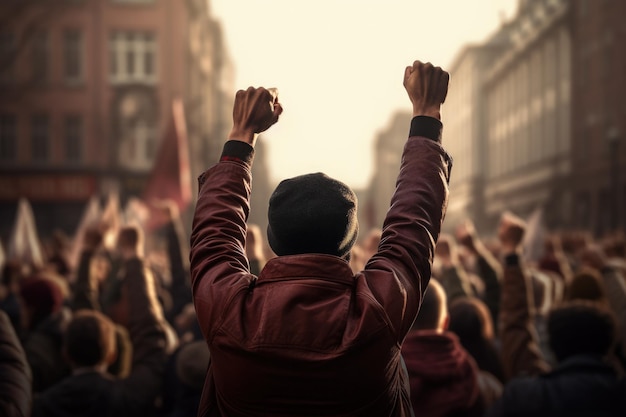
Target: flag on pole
[(171, 176), (24, 245), (534, 237)]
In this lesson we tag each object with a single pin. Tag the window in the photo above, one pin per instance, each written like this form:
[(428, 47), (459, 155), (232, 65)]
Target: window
[(40, 138), (73, 56), (73, 138), (132, 57), (8, 137), (39, 58), (7, 57)]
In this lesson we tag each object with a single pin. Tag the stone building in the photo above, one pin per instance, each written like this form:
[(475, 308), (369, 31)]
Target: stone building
[(85, 97)]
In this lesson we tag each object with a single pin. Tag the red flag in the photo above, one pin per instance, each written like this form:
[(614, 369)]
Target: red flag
[(171, 177)]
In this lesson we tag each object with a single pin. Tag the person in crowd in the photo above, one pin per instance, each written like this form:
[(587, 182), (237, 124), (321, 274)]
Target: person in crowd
[(581, 334), (58, 258), (184, 379), (484, 265), (444, 378), (471, 321), (450, 272), (554, 259), (177, 251), (44, 319), (15, 375), (307, 336), (594, 258), (89, 344)]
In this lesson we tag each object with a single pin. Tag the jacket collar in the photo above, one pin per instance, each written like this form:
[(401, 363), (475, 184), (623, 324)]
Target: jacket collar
[(307, 266), (585, 363)]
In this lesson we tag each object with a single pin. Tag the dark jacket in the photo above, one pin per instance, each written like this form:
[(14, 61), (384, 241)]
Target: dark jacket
[(443, 376), (582, 385), (308, 337), (15, 377), (94, 393), (44, 350)]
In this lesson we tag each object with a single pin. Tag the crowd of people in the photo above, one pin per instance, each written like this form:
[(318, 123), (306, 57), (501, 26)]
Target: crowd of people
[(314, 321)]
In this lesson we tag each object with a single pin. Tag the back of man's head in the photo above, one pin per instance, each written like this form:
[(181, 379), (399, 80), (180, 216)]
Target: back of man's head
[(90, 340), (312, 213), (130, 237), (433, 314), (581, 327)]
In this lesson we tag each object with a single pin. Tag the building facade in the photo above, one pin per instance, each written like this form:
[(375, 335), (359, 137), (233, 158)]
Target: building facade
[(465, 132), (599, 114), (85, 98), (528, 117), (388, 145)]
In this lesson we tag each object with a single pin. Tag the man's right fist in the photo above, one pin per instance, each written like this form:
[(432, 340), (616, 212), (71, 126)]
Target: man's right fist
[(254, 111), (427, 87)]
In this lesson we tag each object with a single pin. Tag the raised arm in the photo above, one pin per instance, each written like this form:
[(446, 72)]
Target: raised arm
[(219, 267), (488, 268), (453, 277), (86, 292), (413, 222), (520, 349), (146, 326)]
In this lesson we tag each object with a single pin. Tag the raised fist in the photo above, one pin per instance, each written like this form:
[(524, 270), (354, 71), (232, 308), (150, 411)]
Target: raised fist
[(254, 111), (427, 87)]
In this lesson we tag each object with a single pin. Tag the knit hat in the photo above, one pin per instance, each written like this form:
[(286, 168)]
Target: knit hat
[(312, 213)]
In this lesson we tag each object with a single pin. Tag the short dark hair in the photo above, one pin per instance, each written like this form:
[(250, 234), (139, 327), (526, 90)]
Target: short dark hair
[(433, 308), (587, 284), (89, 339), (581, 327), (130, 237)]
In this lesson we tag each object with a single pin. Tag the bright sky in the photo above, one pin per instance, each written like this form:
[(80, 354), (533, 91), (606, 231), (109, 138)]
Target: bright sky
[(338, 66)]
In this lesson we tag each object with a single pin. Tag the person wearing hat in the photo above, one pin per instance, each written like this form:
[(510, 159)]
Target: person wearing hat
[(307, 336)]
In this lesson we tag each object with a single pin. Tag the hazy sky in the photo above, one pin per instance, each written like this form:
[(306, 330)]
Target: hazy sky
[(338, 66)]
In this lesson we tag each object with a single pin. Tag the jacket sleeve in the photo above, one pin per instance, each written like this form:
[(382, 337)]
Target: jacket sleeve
[(15, 376), (219, 267), (411, 227), (520, 349), (147, 333)]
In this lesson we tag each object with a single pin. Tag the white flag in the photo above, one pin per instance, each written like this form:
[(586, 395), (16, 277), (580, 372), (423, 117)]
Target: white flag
[(24, 245)]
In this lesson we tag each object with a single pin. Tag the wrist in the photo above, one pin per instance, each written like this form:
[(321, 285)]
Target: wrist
[(507, 248), (243, 135), (431, 112)]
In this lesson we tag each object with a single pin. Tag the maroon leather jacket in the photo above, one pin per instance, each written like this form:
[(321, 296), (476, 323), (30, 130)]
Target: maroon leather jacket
[(308, 337)]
